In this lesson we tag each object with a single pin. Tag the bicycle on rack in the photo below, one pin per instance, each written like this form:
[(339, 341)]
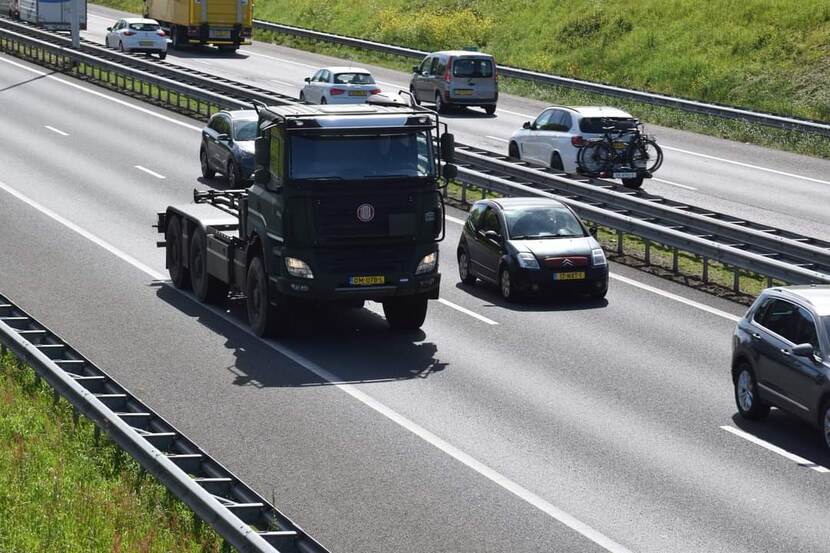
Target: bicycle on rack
[(627, 154)]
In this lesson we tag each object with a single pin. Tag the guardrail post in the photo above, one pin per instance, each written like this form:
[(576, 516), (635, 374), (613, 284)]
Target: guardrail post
[(647, 255), (675, 265), (463, 192), (736, 280), (620, 244), (705, 275)]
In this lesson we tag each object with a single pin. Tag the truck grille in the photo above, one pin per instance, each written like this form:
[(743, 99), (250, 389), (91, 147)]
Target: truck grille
[(337, 216), (364, 261)]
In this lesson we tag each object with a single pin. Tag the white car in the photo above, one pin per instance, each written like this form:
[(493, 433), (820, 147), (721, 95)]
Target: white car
[(339, 85), (555, 137), (136, 34)]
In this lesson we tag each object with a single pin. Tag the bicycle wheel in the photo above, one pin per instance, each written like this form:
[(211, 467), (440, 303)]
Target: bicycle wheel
[(595, 157), (645, 154)]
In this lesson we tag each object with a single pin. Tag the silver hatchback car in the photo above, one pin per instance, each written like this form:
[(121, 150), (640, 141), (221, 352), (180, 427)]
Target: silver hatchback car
[(456, 78), (781, 355)]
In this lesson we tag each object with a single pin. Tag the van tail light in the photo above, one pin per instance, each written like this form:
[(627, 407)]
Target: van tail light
[(577, 141), (448, 71), (495, 71), (375, 91), (336, 91), (128, 33), (161, 33)]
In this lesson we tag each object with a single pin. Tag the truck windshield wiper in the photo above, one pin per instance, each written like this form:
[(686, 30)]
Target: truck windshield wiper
[(319, 178), (390, 176)]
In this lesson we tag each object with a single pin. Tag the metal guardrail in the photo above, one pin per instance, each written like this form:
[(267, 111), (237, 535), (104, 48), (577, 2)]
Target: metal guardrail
[(693, 106), (241, 516), (786, 257)]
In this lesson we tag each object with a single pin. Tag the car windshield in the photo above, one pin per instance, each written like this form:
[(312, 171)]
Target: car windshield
[(361, 156), (144, 26), (472, 68), (542, 222), (597, 124), (244, 130), (353, 78)]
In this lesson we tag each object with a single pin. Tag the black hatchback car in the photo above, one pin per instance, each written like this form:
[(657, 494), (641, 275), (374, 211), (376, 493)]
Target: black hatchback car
[(780, 355), (228, 146), (530, 246)]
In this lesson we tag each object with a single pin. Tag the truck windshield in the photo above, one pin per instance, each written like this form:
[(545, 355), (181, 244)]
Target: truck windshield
[(361, 156)]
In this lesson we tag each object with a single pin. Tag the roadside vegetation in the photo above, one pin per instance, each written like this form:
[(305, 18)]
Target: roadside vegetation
[(60, 491)]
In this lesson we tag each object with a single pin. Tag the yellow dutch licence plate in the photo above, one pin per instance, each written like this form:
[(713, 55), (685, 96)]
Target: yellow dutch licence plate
[(580, 275), (366, 280), (145, 42), (463, 92), (620, 145), (357, 93)]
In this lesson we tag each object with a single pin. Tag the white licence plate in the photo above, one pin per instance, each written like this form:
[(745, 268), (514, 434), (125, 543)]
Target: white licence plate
[(625, 175)]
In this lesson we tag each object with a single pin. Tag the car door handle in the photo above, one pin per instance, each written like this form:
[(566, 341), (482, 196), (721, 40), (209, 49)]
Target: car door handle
[(785, 351), (756, 335)]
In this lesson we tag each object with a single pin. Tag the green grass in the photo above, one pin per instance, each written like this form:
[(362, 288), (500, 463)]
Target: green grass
[(59, 491)]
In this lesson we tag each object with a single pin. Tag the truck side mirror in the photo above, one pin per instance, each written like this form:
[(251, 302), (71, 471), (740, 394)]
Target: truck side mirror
[(449, 171), (448, 147), (416, 69), (262, 155), (262, 176)]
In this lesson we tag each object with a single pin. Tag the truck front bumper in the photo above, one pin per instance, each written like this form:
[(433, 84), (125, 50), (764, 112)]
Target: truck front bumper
[(428, 285)]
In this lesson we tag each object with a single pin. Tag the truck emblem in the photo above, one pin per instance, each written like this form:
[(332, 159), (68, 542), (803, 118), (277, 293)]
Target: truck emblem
[(365, 213)]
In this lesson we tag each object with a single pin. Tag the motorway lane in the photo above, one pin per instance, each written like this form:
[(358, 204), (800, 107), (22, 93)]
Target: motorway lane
[(620, 429), (740, 179)]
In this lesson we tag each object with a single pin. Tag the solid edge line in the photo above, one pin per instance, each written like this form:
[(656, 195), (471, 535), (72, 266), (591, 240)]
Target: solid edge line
[(801, 461), (469, 461), (686, 186), (497, 138), (149, 172), (86, 234), (466, 311), (57, 131)]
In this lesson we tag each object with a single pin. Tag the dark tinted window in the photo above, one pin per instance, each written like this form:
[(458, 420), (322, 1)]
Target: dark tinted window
[(144, 26), (781, 317), (490, 221), (806, 333), (542, 222), (543, 118), (244, 130), (353, 78), (475, 215), (433, 68), (596, 124), (474, 68), (425, 64)]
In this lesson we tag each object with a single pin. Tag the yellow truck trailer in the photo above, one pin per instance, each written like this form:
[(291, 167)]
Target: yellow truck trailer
[(223, 23)]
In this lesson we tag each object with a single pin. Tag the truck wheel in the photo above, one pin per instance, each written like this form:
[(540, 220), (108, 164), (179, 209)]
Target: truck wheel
[(406, 313), (207, 288), (175, 254), (260, 313)]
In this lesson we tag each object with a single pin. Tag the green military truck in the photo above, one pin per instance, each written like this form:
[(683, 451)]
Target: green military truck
[(346, 206)]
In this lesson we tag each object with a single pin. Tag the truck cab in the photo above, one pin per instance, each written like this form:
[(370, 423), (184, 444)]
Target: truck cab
[(346, 206)]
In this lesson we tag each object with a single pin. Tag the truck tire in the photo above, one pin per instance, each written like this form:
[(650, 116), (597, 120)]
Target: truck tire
[(179, 274), (261, 315), (207, 288), (406, 313)]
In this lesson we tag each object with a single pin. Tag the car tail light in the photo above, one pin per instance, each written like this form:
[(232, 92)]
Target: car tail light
[(336, 91), (128, 33), (448, 70), (375, 91), (495, 71), (161, 33), (577, 141)]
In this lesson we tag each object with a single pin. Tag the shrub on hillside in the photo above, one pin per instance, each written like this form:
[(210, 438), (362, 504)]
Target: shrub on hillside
[(438, 29)]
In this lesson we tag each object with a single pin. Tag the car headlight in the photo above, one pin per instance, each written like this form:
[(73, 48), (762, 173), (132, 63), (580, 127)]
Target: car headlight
[(298, 268), (598, 257), (427, 264), (527, 260)]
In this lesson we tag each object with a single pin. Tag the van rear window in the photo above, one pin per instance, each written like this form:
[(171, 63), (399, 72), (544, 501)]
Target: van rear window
[(596, 124), (476, 68), (144, 26)]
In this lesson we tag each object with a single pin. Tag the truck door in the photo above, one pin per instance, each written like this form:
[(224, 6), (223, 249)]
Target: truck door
[(265, 204)]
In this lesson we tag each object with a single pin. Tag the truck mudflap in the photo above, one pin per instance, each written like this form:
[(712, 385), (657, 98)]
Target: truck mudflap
[(428, 285)]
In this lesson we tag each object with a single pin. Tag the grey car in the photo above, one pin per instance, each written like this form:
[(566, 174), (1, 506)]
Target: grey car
[(780, 355), (228, 146), (456, 78)]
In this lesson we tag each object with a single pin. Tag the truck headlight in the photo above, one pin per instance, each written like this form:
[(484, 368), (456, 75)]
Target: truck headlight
[(298, 268), (598, 258), (427, 264), (527, 260)]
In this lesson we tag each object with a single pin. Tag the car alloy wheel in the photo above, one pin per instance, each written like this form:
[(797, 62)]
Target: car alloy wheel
[(506, 284), (749, 403), (464, 269), (746, 395), (826, 425)]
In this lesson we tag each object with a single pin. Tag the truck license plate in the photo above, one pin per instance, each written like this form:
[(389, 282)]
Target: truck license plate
[(366, 280), (220, 34), (578, 275), (625, 175)]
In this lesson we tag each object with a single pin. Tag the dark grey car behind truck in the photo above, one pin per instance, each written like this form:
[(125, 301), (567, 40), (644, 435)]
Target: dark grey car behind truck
[(345, 207), (456, 78)]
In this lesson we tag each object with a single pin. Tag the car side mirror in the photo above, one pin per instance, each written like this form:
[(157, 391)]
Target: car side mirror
[(593, 231), (307, 79), (803, 350), (492, 235), (449, 171), (416, 68), (526, 125), (109, 28), (448, 147)]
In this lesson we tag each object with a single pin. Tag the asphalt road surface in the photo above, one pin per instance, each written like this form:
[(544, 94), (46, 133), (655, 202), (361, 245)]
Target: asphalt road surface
[(567, 427)]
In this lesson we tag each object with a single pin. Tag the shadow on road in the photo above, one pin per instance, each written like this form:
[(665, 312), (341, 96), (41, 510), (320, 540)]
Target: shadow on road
[(789, 433), (343, 346), (553, 302)]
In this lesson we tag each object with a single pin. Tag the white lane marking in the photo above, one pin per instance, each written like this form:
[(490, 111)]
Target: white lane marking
[(149, 172), (652, 289), (466, 311), (526, 116), (469, 461), (801, 461), (101, 95), (54, 130), (675, 297), (283, 60), (497, 138), (747, 165), (86, 234), (286, 83), (664, 181), (393, 85)]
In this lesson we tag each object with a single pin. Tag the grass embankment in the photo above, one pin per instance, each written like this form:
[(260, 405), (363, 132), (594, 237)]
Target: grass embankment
[(59, 491)]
